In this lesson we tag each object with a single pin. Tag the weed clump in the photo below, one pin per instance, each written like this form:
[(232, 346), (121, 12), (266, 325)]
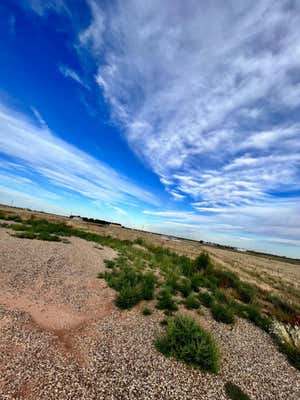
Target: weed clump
[(185, 287), (188, 342), (109, 264), (202, 262), (206, 299), (132, 286), (222, 313), (165, 300), (192, 302)]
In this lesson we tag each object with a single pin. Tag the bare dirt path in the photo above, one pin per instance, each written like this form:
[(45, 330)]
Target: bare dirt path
[(61, 336)]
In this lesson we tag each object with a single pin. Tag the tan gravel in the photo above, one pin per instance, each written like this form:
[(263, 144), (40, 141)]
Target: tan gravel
[(61, 336)]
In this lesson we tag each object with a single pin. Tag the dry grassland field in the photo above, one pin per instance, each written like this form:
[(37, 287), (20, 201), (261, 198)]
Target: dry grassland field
[(106, 312)]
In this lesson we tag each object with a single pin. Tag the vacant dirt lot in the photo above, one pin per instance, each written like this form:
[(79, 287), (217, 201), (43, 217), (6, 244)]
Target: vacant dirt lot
[(61, 336), (270, 273)]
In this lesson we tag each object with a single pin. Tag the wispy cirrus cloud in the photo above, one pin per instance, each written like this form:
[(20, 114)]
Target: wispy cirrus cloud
[(38, 151), (42, 7), (70, 73), (202, 88)]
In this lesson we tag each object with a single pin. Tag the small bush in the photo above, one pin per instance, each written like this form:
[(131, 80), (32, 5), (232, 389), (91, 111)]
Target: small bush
[(172, 281), (187, 267), (222, 313), (234, 392), (128, 297), (148, 285), (206, 299), (220, 296), (246, 292), (109, 264), (192, 302), (197, 281), (252, 313), (188, 342), (202, 263), (185, 286), (146, 311), (166, 301), (134, 284), (227, 279)]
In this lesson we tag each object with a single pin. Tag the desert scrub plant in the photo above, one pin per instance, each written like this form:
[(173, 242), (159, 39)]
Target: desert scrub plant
[(202, 263), (234, 392), (246, 292), (146, 311), (186, 341), (148, 285), (197, 281), (222, 313), (109, 264), (132, 286), (165, 300), (128, 296), (192, 302), (185, 286), (288, 338), (206, 299)]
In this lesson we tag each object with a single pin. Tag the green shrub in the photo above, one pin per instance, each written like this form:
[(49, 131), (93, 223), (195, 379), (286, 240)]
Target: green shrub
[(165, 300), (146, 311), (202, 262), (227, 279), (246, 292), (206, 299), (109, 264), (220, 296), (234, 392), (197, 281), (187, 267), (222, 313), (128, 297), (188, 342), (148, 285), (172, 281), (185, 286), (192, 302)]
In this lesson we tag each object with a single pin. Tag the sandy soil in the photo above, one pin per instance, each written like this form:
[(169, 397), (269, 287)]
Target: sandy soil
[(61, 336)]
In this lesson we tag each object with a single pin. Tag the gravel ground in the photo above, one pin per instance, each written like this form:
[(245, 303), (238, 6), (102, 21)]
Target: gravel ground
[(61, 337)]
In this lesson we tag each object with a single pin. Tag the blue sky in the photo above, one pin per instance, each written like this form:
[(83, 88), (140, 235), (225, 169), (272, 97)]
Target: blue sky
[(175, 117)]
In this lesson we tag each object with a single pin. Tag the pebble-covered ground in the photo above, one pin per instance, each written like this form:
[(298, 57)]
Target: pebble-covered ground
[(61, 336)]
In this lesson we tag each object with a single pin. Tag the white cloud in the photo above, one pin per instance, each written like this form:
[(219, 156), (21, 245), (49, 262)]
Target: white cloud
[(119, 210), (92, 36), (61, 164), (274, 221), (70, 73), (196, 88), (42, 7)]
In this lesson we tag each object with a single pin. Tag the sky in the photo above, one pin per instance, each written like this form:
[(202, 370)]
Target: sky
[(178, 117)]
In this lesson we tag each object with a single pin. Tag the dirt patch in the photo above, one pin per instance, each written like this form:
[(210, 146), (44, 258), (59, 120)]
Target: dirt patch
[(61, 336)]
